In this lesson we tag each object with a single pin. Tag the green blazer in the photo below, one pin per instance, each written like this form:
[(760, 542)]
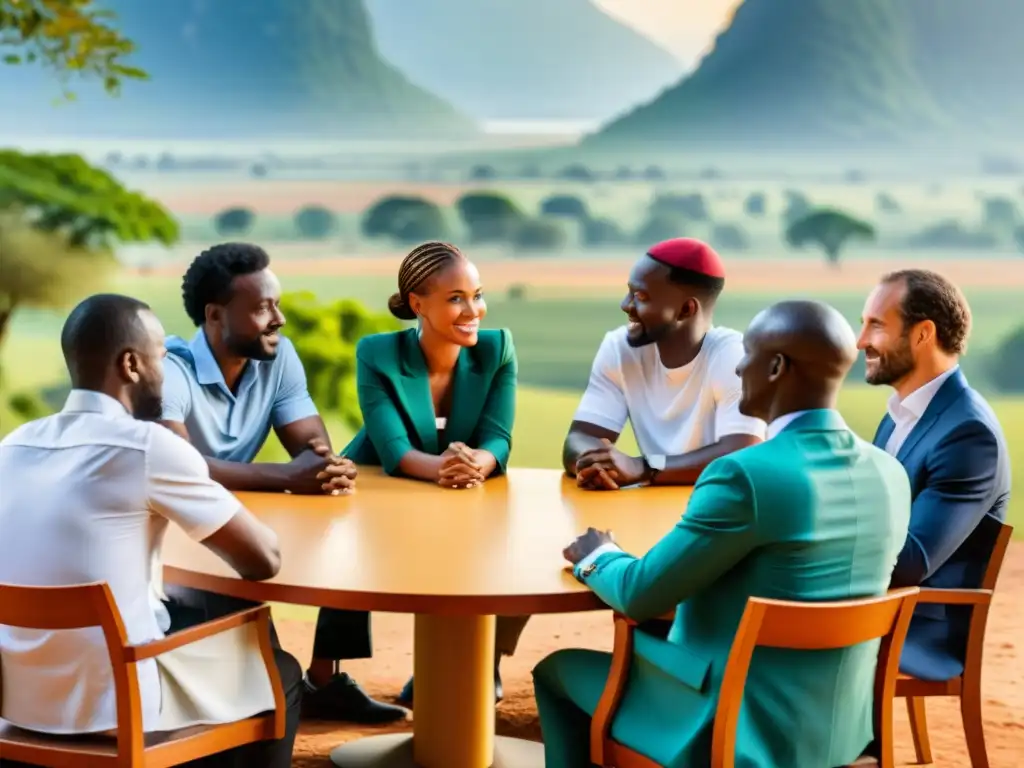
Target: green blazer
[(814, 513), (398, 413)]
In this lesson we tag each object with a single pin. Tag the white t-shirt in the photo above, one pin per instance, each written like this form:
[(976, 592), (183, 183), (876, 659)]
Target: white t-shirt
[(672, 410), (86, 497)]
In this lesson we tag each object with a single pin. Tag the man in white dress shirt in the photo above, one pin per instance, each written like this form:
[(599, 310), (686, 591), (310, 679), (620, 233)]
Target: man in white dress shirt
[(669, 372), (916, 326), (87, 497)]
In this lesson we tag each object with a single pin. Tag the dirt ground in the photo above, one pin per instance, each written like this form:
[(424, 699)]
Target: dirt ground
[(385, 674), (563, 274)]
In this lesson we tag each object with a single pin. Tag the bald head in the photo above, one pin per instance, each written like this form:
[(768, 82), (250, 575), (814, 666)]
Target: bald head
[(797, 355), (814, 336), (114, 344)]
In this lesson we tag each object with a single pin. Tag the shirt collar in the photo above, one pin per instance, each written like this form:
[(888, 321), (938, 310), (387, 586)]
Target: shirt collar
[(916, 403), (207, 369), (91, 401), (779, 424)]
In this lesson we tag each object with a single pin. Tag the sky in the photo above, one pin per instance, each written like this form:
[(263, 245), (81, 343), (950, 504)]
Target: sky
[(685, 27)]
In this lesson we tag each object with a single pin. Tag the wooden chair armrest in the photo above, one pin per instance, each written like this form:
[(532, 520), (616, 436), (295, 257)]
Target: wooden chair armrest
[(614, 687), (135, 653), (955, 596)]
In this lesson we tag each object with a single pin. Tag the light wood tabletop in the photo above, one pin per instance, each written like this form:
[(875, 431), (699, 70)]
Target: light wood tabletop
[(455, 559), (411, 547)]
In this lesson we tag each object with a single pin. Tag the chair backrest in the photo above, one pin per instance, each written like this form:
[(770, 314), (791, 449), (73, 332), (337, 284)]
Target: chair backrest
[(80, 607), (995, 560), (975, 649), (814, 626)]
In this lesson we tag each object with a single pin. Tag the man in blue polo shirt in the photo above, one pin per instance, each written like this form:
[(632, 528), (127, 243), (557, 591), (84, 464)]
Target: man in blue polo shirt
[(223, 391)]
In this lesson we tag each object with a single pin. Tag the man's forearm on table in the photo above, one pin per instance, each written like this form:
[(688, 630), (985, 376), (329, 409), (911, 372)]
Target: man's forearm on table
[(685, 468), (576, 444), (242, 476)]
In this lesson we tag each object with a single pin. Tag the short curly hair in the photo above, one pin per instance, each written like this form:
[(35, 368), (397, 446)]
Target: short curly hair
[(209, 276), (930, 296)]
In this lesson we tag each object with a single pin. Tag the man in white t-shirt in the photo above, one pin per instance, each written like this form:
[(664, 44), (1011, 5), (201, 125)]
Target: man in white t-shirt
[(670, 372), (87, 497)]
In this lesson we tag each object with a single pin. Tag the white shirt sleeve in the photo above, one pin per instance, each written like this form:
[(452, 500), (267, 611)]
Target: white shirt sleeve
[(604, 401), (728, 389), (181, 489)]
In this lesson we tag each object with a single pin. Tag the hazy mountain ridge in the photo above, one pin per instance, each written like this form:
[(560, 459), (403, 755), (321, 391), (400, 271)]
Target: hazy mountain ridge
[(858, 72), (509, 59), (222, 68)]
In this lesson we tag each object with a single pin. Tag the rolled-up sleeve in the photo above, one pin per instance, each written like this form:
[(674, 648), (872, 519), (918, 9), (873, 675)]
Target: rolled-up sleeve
[(604, 402), (292, 401), (381, 419), (181, 489), (499, 412)]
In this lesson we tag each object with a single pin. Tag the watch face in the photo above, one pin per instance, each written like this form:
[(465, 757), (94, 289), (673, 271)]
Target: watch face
[(656, 462)]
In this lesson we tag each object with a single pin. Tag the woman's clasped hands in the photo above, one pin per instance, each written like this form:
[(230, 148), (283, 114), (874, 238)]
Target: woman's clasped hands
[(462, 467)]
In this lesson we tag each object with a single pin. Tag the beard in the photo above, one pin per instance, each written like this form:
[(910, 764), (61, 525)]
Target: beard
[(647, 335), (893, 365), (251, 349), (147, 403)]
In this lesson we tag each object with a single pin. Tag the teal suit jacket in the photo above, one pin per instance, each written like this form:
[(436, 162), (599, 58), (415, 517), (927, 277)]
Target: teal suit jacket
[(398, 412), (813, 514)]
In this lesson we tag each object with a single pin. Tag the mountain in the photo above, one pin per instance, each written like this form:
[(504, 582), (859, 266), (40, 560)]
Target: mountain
[(810, 73), (523, 59), (971, 58), (241, 68)]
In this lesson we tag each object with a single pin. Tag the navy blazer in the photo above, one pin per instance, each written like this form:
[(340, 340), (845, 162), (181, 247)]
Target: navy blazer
[(959, 471)]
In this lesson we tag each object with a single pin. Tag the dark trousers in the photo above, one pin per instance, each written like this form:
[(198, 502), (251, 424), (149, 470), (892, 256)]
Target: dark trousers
[(339, 634), (260, 754)]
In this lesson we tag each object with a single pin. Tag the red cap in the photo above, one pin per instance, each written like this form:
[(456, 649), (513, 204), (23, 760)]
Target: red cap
[(691, 254)]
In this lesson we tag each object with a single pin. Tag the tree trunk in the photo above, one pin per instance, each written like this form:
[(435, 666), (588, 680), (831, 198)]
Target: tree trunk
[(832, 256), (5, 317)]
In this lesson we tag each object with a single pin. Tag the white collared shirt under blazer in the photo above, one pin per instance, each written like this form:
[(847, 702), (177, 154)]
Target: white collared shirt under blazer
[(86, 496)]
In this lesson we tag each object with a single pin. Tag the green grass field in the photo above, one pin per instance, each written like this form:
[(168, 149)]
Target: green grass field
[(555, 337)]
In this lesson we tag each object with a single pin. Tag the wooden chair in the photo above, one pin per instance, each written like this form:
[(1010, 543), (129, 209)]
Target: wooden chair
[(966, 686), (91, 605), (776, 624)]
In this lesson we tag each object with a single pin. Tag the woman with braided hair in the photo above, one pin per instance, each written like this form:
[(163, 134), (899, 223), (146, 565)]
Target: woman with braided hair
[(438, 400)]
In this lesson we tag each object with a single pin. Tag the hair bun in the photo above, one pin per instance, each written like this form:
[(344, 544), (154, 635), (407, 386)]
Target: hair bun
[(400, 308)]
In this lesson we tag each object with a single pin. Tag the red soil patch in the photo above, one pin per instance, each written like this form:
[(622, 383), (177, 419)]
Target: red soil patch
[(756, 276), (385, 674)]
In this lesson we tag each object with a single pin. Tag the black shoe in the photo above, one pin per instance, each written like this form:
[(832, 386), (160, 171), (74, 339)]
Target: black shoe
[(405, 697), (343, 699)]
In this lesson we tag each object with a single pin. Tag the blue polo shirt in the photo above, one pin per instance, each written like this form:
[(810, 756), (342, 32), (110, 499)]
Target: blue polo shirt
[(226, 426)]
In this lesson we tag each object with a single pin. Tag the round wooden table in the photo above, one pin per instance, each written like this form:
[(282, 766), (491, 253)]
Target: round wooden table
[(455, 559)]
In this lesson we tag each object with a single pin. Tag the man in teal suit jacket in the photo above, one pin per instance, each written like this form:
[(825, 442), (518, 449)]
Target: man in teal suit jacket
[(814, 513)]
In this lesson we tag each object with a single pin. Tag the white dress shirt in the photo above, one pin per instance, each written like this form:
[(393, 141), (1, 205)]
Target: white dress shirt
[(776, 426), (87, 497), (907, 412)]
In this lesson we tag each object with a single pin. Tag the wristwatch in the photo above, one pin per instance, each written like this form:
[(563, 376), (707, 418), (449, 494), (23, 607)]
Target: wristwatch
[(652, 466)]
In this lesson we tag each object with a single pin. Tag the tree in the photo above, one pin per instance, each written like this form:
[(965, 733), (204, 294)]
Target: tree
[(314, 222), (830, 229), (570, 206), (325, 338), (490, 216), (69, 37), (540, 235), (60, 219), (1006, 363), (1018, 236), (406, 219), (755, 204), (234, 222)]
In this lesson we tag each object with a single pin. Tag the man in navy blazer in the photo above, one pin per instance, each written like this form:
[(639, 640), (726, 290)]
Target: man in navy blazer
[(916, 325)]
